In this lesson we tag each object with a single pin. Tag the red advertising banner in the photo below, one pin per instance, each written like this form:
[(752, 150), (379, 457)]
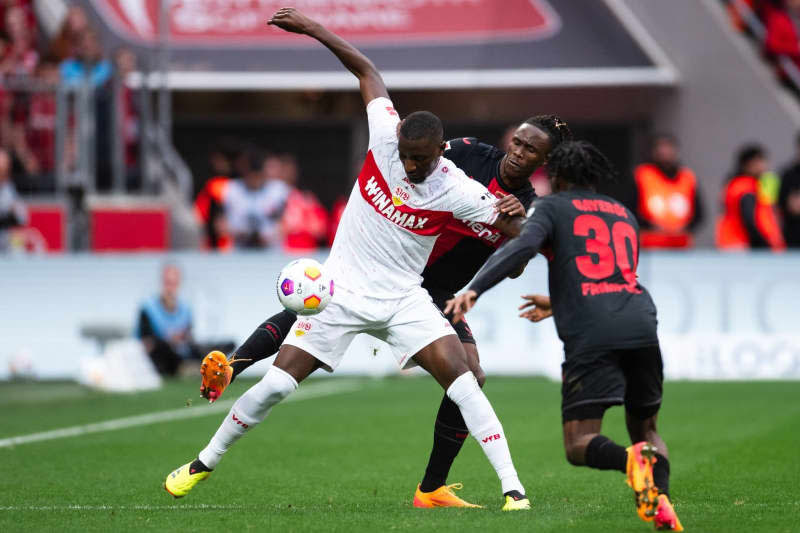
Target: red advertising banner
[(376, 22)]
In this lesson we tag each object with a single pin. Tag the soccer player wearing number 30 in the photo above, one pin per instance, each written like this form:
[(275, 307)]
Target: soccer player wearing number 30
[(605, 318), (405, 196)]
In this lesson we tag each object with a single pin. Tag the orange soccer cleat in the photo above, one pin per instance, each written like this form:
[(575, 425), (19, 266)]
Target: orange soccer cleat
[(641, 458), (666, 519), (441, 497)]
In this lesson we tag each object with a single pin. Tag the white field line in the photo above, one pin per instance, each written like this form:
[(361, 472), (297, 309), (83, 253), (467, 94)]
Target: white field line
[(304, 393), (200, 507)]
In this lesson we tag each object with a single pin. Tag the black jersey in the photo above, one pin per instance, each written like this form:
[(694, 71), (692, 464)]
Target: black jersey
[(592, 243), (464, 245)]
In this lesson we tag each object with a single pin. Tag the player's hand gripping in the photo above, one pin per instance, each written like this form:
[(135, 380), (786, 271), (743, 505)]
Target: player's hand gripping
[(510, 206), (541, 307), (290, 19), (460, 305)]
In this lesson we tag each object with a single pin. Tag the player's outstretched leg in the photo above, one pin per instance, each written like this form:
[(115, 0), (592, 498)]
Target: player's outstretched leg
[(291, 366), (642, 427), (445, 361), (449, 433), (262, 343)]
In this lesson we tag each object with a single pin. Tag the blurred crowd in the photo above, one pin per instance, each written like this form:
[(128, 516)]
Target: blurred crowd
[(253, 201), (775, 27), (31, 68), (760, 207)]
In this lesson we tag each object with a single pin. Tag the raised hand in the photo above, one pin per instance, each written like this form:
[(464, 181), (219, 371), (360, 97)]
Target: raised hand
[(541, 307), (292, 20)]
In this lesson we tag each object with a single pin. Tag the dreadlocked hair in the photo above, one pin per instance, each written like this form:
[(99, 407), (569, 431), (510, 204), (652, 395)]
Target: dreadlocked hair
[(580, 163), (554, 126)]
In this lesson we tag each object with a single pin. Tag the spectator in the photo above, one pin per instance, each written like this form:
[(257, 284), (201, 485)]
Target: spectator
[(88, 62), (305, 220), (668, 206), (748, 219), (25, 5), (255, 203), (12, 211), (67, 43), (165, 325), (209, 208), (209, 205), (20, 56), (124, 64), (34, 133), (789, 200), (781, 19)]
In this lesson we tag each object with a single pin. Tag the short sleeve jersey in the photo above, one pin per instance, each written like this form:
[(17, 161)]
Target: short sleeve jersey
[(592, 244), (465, 244), (390, 225)]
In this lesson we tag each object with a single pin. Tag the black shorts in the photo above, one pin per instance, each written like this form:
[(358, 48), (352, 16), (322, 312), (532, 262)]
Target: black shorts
[(593, 382), (440, 298)]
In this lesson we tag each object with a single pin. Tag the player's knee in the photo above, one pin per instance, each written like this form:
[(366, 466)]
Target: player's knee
[(480, 375), (276, 385)]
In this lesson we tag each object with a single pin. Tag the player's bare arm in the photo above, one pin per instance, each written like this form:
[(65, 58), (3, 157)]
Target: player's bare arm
[(504, 262), (370, 80), (541, 307)]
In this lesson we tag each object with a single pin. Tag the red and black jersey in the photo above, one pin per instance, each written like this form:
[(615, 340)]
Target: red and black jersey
[(593, 250), (464, 246)]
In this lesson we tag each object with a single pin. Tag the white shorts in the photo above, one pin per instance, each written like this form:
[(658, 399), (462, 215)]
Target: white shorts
[(407, 324)]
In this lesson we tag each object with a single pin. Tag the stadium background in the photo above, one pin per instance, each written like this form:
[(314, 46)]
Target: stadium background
[(114, 171), (208, 79)]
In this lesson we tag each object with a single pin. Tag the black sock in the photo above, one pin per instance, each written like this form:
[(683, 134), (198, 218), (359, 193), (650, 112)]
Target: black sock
[(198, 466), (661, 474), (264, 341), (449, 434), (604, 454)]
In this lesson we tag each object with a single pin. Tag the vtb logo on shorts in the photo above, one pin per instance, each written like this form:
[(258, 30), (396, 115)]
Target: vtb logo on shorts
[(302, 327), (490, 438)]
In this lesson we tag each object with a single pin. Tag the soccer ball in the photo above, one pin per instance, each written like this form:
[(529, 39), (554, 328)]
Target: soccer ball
[(304, 288)]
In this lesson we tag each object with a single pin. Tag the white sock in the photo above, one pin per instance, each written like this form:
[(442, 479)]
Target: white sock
[(250, 409), (483, 424)]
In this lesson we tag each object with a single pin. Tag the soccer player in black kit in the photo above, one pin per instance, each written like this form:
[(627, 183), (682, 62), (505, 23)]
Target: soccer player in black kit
[(458, 254), (605, 318)]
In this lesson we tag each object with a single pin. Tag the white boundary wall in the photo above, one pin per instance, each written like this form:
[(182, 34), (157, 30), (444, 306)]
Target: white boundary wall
[(721, 316)]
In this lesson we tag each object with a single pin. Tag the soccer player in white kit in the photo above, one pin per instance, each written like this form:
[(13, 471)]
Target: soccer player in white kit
[(404, 197)]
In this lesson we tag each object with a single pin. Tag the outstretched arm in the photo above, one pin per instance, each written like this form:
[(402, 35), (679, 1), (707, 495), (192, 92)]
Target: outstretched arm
[(501, 264), (369, 79)]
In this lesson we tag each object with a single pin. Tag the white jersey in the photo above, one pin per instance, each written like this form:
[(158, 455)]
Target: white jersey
[(390, 225)]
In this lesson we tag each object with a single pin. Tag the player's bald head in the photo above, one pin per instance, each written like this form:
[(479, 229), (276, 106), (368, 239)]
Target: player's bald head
[(422, 125)]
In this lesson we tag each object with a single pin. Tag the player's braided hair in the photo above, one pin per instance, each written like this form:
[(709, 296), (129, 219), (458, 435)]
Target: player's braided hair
[(422, 125), (580, 163), (554, 126)]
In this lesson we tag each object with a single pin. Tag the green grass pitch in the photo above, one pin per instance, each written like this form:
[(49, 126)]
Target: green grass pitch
[(350, 461)]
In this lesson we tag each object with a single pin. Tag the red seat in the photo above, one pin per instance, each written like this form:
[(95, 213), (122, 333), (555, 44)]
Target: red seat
[(47, 226), (128, 227)]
